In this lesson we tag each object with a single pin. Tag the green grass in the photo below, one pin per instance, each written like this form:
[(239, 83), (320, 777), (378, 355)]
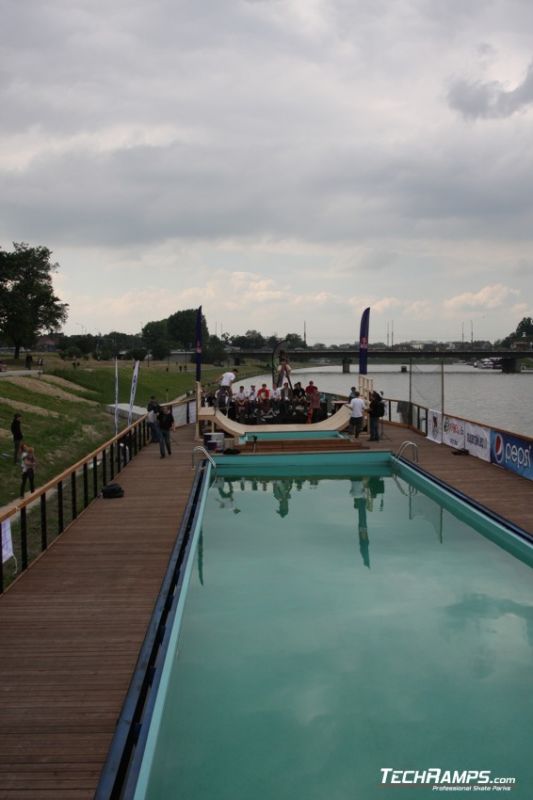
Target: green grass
[(72, 430)]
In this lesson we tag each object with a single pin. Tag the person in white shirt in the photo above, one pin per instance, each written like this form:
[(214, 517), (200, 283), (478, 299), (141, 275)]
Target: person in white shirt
[(357, 406), (241, 402), (224, 390)]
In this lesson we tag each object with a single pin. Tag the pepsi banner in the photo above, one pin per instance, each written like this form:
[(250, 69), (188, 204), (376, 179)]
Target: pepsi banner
[(512, 453), (363, 342)]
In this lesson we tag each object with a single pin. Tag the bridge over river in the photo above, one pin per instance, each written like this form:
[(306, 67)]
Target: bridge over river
[(510, 359)]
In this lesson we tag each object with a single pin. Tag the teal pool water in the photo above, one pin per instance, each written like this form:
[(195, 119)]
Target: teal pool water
[(278, 435), (337, 624)]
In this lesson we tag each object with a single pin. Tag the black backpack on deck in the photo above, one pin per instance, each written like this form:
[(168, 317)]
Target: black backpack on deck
[(112, 490)]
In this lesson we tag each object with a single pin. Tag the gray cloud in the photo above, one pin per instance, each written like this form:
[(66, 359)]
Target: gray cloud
[(475, 99), (316, 127)]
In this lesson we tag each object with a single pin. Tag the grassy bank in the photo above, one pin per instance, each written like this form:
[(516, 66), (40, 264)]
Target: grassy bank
[(64, 415)]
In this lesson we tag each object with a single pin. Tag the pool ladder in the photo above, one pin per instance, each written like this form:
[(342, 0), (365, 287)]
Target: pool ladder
[(405, 446), (206, 454)]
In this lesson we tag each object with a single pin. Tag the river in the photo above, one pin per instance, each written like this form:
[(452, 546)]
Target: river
[(485, 396)]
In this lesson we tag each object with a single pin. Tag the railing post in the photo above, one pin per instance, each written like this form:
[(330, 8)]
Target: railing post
[(85, 485), (95, 476), (104, 467), (23, 538), (60, 514), (111, 461), (44, 523), (73, 494)]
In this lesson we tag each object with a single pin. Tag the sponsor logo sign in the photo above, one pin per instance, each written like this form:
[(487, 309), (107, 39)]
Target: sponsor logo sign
[(477, 440), (512, 453), (435, 426), (453, 432)]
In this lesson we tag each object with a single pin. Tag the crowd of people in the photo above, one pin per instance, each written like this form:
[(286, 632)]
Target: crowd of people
[(290, 403), (281, 404)]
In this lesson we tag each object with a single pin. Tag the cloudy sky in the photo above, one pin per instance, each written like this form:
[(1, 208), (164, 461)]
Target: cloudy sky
[(277, 161)]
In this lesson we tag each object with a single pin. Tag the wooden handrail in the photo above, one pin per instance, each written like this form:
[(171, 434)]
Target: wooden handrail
[(51, 484)]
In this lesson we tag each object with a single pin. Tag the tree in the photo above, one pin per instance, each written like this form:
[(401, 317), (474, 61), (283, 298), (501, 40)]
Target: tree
[(295, 342), (215, 352), (181, 328), (155, 338), (252, 340), (28, 305), (524, 329)]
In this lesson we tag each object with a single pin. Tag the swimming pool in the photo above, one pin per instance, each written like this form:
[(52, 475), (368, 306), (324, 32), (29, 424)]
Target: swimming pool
[(288, 434), (341, 619)]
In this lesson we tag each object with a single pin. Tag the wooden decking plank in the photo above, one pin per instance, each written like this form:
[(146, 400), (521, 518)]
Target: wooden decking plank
[(72, 627)]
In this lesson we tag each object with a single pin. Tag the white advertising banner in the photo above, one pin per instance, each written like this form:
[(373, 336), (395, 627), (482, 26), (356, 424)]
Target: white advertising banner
[(133, 389), (477, 440), (435, 426), (7, 541), (116, 396), (453, 432)]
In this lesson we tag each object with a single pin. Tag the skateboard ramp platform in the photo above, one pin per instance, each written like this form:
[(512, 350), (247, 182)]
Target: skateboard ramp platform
[(337, 422)]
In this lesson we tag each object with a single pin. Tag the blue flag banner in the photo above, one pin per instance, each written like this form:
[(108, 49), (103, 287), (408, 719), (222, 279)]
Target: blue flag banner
[(198, 344), (363, 342)]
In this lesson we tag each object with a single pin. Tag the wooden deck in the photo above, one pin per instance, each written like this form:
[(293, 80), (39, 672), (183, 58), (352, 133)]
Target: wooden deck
[(499, 490), (72, 626)]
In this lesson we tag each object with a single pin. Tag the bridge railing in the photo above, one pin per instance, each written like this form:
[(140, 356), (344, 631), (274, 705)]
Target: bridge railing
[(31, 524)]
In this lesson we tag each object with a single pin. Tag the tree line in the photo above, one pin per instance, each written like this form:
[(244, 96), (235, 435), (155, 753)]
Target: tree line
[(29, 308)]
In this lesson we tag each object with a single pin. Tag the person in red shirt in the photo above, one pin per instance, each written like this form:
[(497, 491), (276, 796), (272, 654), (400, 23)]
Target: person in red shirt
[(263, 398), (313, 399)]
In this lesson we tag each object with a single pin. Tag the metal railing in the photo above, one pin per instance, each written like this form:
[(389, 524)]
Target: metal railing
[(406, 446), (400, 412), (206, 454), (35, 521)]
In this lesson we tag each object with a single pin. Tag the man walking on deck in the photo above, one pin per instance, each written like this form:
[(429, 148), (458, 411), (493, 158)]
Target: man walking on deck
[(357, 405)]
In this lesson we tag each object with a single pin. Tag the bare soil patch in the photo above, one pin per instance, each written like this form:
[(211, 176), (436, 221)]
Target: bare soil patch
[(41, 387), (65, 384), (18, 406)]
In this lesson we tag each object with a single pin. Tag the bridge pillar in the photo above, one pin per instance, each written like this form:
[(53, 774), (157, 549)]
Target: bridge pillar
[(346, 365), (511, 365)]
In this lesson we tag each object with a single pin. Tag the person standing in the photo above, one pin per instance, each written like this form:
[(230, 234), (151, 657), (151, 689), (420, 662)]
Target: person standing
[(375, 411), (357, 406), (153, 426), (313, 398), (153, 405), (17, 436), (166, 425), (28, 470), (225, 390)]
